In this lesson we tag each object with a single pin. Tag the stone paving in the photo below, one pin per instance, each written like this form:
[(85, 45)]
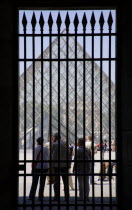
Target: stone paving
[(97, 188)]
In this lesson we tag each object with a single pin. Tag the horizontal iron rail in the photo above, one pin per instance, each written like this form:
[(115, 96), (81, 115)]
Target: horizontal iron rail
[(70, 174), (64, 59), (51, 161), (79, 34), (68, 204)]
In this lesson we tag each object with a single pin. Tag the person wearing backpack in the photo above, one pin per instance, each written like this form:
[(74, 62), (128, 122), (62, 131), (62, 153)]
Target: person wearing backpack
[(82, 169)]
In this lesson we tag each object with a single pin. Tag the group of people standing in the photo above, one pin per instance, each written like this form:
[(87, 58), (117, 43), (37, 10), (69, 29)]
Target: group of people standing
[(55, 160)]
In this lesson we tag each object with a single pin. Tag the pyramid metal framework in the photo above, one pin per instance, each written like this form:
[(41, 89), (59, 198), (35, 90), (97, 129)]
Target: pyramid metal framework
[(46, 93)]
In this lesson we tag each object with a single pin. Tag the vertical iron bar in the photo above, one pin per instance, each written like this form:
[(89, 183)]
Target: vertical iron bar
[(84, 112), (67, 104), (25, 114), (42, 117), (76, 118), (33, 55), (93, 196), (59, 109), (110, 184), (101, 55), (50, 100), (117, 116)]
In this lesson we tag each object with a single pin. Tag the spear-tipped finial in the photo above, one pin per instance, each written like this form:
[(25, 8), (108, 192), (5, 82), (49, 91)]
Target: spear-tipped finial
[(84, 21), (67, 21), (76, 21), (110, 20), (24, 21), (92, 21), (50, 21), (41, 21), (33, 21), (101, 20), (59, 21)]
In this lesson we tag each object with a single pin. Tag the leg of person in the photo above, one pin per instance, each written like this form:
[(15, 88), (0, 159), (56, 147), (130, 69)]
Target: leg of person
[(34, 186), (101, 177), (109, 170), (106, 170), (91, 179), (56, 184), (52, 180), (87, 187), (65, 182), (42, 183), (81, 187), (70, 181), (103, 170), (48, 179), (103, 154)]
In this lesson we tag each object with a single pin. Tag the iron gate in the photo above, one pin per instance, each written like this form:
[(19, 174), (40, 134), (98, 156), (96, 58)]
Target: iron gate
[(66, 86)]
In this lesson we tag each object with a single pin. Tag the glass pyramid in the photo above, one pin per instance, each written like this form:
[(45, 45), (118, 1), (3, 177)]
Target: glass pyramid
[(63, 99)]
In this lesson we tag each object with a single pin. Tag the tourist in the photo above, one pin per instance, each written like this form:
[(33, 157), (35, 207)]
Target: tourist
[(82, 169), (88, 144), (39, 170), (50, 179), (60, 153)]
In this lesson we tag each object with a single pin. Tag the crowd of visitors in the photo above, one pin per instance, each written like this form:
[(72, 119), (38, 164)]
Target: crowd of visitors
[(56, 160)]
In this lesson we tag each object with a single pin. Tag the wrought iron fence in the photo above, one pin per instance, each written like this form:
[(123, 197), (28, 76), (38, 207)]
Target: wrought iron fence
[(65, 90)]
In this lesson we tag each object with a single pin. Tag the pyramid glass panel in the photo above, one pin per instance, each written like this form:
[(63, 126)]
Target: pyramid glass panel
[(71, 95)]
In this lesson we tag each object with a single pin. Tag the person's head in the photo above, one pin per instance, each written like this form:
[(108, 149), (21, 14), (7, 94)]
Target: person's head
[(39, 140), (52, 138), (57, 137), (89, 138), (81, 142)]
